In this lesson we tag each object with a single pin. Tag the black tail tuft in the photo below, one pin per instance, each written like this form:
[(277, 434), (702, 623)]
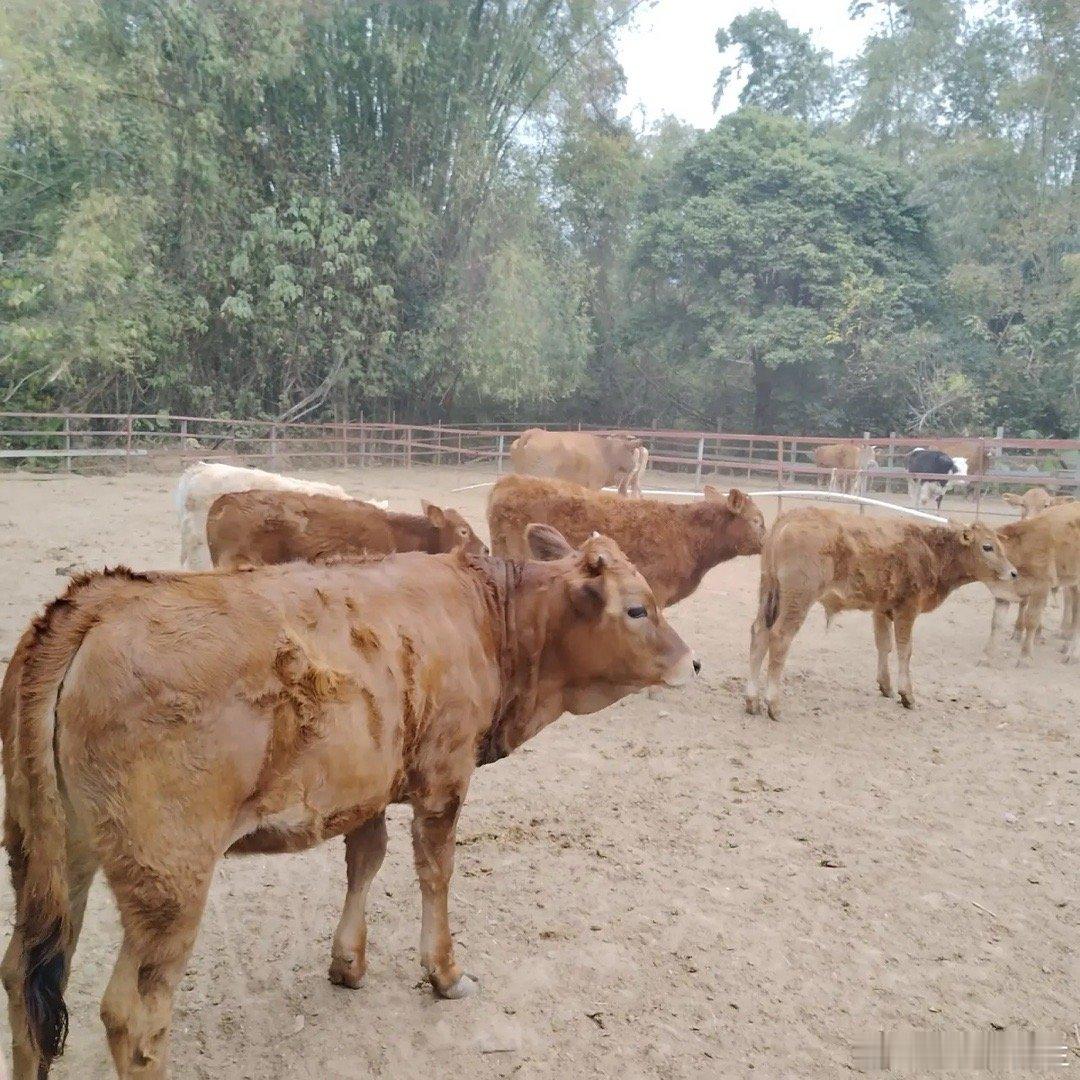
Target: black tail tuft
[(772, 605), (43, 991)]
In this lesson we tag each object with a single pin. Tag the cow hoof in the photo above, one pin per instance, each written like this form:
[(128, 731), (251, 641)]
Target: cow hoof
[(1024, 662), (347, 973), (464, 986), (906, 700), (774, 710), (753, 706), (886, 691)]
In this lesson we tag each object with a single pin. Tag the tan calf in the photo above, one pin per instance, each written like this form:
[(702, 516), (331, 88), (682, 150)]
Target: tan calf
[(895, 569), (1035, 500), (1045, 549), (593, 461), (258, 528), (847, 464), (672, 544), (152, 723)]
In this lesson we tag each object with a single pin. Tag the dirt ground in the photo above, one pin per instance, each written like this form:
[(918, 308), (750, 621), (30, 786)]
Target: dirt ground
[(668, 888)]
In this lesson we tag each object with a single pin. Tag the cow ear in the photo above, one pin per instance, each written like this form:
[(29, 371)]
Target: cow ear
[(967, 535), (713, 493), (1011, 499), (587, 597), (736, 500), (1061, 500), (433, 513), (546, 543)]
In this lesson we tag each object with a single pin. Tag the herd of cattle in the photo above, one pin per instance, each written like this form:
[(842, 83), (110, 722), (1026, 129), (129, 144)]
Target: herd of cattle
[(344, 657)]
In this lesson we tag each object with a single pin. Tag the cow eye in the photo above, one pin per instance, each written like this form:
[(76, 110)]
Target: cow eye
[(988, 548), (637, 612)]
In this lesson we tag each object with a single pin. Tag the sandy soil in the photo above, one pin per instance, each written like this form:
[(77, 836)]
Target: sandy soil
[(668, 888)]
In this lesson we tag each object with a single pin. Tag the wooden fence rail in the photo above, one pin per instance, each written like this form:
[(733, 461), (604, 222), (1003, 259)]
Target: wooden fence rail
[(81, 440)]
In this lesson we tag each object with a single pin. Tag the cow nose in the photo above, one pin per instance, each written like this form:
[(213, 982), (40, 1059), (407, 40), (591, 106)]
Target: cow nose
[(1013, 574), (697, 665)]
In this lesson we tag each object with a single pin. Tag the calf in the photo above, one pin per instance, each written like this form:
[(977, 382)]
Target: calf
[(672, 544), (200, 484), (151, 722), (594, 461), (257, 528), (895, 569), (848, 464), (938, 463), (1035, 500), (1045, 549)]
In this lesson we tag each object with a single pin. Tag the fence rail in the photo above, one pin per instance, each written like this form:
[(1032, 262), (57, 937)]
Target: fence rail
[(142, 440)]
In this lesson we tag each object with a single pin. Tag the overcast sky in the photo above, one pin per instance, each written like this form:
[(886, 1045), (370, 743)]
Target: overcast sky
[(670, 58)]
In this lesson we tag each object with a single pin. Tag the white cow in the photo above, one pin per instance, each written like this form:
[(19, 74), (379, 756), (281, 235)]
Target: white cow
[(200, 484)]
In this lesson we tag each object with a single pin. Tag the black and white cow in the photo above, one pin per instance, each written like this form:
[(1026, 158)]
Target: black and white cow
[(937, 463)]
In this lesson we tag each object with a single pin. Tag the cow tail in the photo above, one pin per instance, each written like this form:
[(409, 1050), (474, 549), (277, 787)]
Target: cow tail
[(769, 600), (35, 825)]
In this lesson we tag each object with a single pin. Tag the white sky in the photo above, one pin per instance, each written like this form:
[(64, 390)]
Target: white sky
[(671, 62)]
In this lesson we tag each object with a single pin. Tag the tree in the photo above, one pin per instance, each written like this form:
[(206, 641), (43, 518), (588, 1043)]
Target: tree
[(748, 255), (788, 74)]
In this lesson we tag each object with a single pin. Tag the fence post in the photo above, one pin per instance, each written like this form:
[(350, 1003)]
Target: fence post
[(127, 443), (67, 442), (344, 442), (438, 444), (780, 463), (183, 437), (408, 447), (700, 459), (502, 443)]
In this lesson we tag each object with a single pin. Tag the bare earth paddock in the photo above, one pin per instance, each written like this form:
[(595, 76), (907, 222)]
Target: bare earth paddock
[(669, 888)]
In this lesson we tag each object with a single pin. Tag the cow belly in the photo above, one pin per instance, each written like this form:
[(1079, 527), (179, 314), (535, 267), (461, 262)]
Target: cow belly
[(343, 778)]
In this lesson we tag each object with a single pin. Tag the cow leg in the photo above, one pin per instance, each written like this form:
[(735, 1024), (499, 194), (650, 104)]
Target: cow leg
[(81, 866), (433, 849), (1001, 609), (364, 851), (1072, 608), (160, 909), (1018, 628), (1069, 614), (1032, 619), (759, 646), (792, 615), (903, 623), (883, 639)]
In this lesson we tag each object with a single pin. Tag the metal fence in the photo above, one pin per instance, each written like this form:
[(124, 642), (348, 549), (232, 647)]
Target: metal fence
[(111, 441)]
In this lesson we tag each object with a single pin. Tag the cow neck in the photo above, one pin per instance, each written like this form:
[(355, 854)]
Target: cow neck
[(520, 641), (710, 521), (945, 545), (416, 527)]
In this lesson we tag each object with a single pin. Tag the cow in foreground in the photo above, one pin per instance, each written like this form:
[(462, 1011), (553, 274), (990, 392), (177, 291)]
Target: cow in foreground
[(847, 464), (153, 722), (593, 461), (937, 463), (258, 528), (200, 484), (895, 569), (1035, 500), (1045, 549), (672, 544)]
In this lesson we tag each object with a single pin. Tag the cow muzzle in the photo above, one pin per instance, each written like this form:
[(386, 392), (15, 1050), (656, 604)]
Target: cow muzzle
[(683, 671)]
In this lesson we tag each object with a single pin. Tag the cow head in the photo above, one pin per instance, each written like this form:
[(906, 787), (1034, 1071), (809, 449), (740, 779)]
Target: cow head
[(983, 558), (748, 522), (454, 531), (1035, 500), (610, 637)]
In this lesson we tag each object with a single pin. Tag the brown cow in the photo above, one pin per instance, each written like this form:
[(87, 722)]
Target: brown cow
[(1045, 549), (257, 528), (980, 454), (672, 544), (593, 461), (896, 569), (1035, 500), (847, 464), (153, 722)]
